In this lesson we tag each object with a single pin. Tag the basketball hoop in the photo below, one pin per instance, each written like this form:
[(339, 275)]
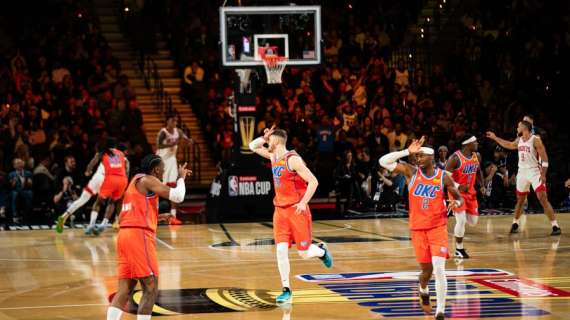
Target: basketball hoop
[(274, 66)]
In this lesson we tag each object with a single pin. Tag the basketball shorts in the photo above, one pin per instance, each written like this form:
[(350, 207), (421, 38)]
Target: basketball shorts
[(113, 187), (430, 243), (170, 171), (136, 253), (527, 177), (94, 185), (469, 206), (291, 227)]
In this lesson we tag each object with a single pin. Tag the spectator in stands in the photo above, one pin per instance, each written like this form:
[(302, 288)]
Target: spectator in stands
[(65, 196), (21, 190), (382, 189), (346, 181), (442, 152), (43, 182), (4, 193), (69, 170), (496, 183)]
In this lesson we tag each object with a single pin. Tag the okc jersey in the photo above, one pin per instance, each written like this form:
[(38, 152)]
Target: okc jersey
[(114, 164), (427, 201), (139, 210), (289, 186), (466, 174), (528, 157)]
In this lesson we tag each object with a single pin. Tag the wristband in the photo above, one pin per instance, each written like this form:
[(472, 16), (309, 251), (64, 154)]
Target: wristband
[(545, 164)]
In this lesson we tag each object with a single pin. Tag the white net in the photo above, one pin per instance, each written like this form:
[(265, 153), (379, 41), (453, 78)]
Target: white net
[(274, 66)]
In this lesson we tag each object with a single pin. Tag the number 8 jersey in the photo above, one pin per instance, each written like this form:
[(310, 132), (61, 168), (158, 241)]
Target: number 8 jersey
[(427, 201)]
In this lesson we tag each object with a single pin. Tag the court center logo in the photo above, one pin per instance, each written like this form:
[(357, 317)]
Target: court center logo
[(472, 293)]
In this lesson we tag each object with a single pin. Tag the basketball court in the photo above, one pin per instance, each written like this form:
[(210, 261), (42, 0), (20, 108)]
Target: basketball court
[(228, 271)]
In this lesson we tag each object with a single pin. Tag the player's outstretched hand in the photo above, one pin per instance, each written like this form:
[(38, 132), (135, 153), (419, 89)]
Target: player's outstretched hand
[(416, 145), (453, 204), (268, 132), (491, 135), (300, 207), (184, 172)]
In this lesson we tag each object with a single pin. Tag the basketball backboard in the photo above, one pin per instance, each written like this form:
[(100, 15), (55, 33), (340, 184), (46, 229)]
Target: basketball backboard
[(247, 33)]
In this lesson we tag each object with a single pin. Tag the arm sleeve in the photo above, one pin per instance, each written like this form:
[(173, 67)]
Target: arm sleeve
[(177, 194), (389, 161)]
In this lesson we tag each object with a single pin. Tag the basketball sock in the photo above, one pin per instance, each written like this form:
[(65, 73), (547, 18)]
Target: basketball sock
[(173, 212), (315, 251), (554, 223), (424, 290), (105, 221), (460, 220), (80, 202), (143, 317), (93, 219), (440, 282), (458, 245), (282, 249), (114, 313)]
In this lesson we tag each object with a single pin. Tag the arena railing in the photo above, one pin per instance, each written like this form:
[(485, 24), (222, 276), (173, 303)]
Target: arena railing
[(163, 102)]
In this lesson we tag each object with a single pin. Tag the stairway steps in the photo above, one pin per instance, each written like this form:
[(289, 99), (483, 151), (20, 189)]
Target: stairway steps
[(171, 78)]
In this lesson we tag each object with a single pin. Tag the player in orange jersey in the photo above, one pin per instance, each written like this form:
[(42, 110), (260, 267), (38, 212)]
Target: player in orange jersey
[(294, 186), (136, 241), (465, 168), (428, 217), (116, 168)]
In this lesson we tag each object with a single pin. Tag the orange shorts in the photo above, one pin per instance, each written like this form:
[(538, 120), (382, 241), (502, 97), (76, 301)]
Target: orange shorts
[(430, 243), (470, 205), (113, 187), (291, 227), (136, 252)]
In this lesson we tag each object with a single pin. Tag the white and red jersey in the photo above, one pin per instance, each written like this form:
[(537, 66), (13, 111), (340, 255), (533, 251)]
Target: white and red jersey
[(169, 139), (528, 157)]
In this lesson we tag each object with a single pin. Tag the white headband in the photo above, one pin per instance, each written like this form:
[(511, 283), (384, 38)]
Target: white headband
[(426, 150), (470, 140)]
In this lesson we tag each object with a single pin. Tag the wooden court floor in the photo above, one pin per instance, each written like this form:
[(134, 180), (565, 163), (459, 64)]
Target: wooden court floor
[(229, 272)]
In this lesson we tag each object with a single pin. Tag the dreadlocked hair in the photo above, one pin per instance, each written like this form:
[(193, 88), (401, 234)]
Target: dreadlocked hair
[(150, 162)]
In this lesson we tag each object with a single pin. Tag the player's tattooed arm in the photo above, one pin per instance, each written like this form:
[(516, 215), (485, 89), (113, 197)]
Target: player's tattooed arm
[(541, 150), (298, 165), (451, 165), (510, 145), (150, 183), (450, 185), (94, 161), (480, 176)]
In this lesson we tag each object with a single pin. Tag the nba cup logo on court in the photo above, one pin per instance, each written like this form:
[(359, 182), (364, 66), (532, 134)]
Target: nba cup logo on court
[(247, 131), (233, 186)]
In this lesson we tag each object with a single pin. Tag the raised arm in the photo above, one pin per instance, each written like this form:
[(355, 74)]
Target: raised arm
[(541, 150), (390, 161), (298, 165), (94, 161), (510, 145), (257, 144), (152, 184)]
